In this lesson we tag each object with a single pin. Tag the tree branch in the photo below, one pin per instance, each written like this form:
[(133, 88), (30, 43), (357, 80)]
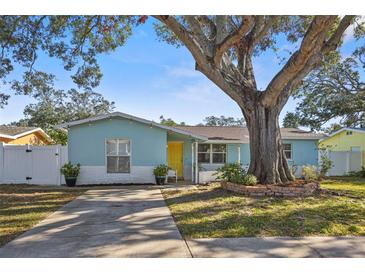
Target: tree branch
[(206, 21), (335, 39), (232, 38), (301, 61), (260, 30), (198, 33), (182, 33)]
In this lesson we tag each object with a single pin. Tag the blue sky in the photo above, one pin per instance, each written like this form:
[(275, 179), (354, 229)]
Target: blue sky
[(148, 78)]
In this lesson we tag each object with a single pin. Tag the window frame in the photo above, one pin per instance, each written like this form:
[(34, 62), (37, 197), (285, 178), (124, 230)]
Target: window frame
[(106, 155), (286, 150), (210, 153)]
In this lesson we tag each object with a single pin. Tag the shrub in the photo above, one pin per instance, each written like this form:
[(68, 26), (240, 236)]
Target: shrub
[(234, 173), (230, 172), (326, 163), (360, 173), (310, 173), (70, 170), (249, 180), (161, 170)]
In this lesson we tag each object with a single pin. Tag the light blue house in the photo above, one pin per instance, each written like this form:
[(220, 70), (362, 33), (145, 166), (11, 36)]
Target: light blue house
[(120, 148)]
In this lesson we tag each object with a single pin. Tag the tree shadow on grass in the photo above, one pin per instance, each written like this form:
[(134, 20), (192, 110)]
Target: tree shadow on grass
[(205, 214)]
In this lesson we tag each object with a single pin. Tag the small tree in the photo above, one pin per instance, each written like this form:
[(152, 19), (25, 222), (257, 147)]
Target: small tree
[(325, 162)]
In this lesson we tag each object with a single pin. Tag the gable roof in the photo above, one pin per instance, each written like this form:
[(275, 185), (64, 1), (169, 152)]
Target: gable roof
[(236, 134), (134, 118), (360, 130), (13, 132)]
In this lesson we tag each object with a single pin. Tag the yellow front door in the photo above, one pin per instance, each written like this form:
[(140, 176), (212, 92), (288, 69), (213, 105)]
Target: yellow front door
[(175, 157)]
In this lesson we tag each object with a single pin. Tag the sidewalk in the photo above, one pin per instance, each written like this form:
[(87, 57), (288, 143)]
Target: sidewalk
[(270, 247)]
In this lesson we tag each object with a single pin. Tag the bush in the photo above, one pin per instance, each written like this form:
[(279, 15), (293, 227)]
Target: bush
[(360, 173), (326, 163), (249, 180), (70, 170), (310, 173), (234, 173), (161, 170), (230, 172)]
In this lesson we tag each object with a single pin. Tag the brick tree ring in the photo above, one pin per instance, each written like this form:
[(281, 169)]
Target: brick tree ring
[(295, 190)]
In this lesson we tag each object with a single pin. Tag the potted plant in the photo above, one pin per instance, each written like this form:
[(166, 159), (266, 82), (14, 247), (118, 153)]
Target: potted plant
[(160, 173), (70, 172)]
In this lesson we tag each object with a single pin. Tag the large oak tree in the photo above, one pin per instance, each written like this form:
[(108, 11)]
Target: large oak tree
[(223, 48)]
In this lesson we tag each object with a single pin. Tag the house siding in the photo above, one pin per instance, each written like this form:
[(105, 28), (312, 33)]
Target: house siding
[(87, 142), (304, 152), (30, 139), (344, 142), (86, 145)]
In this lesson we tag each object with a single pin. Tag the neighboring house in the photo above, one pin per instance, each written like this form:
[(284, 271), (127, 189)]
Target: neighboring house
[(347, 149), (24, 136), (120, 148)]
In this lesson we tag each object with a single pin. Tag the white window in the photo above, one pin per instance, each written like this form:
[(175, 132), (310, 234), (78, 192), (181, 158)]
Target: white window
[(204, 151), (287, 148), (212, 153), (118, 156)]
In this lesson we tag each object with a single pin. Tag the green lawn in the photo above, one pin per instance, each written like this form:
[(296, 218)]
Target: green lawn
[(23, 206), (210, 211), (346, 185)]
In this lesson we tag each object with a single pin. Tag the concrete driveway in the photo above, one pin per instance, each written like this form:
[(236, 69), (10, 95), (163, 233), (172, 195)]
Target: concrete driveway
[(131, 221)]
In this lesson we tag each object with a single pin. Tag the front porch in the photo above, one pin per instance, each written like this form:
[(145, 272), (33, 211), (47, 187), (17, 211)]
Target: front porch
[(196, 160)]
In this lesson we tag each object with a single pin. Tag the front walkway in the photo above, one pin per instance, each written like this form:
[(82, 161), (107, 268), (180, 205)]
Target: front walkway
[(131, 221)]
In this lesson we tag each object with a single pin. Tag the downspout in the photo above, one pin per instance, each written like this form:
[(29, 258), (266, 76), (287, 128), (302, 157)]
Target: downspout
[(196, 164), (239, 153)]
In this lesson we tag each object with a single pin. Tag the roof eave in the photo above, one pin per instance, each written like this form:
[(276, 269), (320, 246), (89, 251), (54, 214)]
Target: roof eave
[(134, 118)]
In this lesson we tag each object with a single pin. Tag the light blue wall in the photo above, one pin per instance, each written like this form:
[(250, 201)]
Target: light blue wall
[(232, 151), (86, 143), (305, 152)]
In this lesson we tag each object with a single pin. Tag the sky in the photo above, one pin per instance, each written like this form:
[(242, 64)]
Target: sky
[(148, 78)]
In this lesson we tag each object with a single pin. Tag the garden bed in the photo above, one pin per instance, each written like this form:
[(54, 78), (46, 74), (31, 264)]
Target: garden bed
[(295, 189)]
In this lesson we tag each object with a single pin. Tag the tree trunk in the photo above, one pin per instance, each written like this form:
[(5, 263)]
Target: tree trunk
[(268, 162)]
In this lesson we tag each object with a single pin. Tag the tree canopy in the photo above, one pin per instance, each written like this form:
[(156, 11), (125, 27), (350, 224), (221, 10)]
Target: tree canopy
[(333, 91), (75, 40), (223, 121), (56, 106)]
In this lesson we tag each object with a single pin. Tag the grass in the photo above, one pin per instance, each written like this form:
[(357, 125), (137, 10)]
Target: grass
[(209, 211), (346, 185), (23, 206)]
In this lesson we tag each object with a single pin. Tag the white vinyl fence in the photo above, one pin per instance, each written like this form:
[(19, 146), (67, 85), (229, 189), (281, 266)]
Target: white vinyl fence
[(32, 164), (345, 162)]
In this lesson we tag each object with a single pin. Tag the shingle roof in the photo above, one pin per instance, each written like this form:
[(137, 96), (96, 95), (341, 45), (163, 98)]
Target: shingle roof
[(240, 134), (12, 130)]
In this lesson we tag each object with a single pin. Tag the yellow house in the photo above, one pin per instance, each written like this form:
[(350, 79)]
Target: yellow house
[(346, 139), (24, 136)]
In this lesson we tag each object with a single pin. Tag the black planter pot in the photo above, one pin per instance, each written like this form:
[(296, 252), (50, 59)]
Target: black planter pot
[(70, 181), (160, 180)]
